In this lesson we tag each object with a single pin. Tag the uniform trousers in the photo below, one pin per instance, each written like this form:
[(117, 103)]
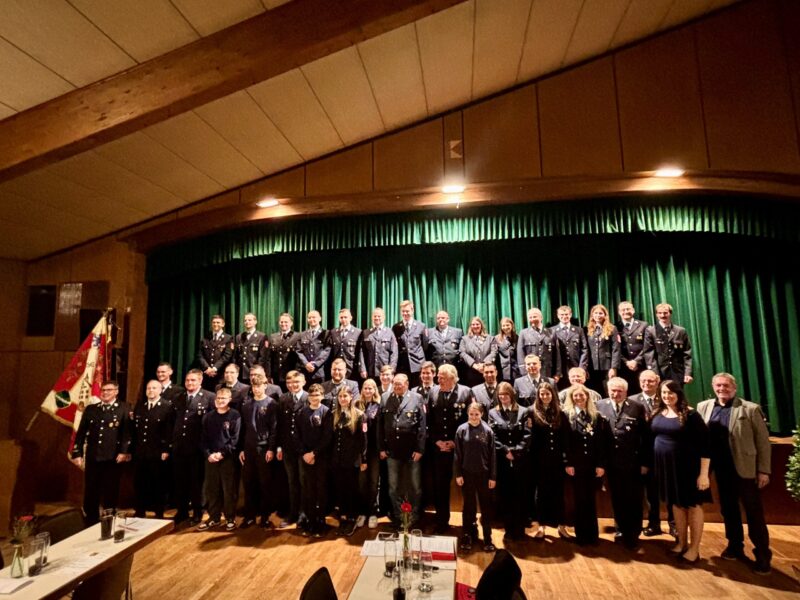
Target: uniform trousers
[(345, 480), (442, 477), (101, 487), (314, 486), (476, 487), (584, 488), (189, 472), (510, 489), (405, 483), (733, 490), (150, 482), (291, 463), (626, 501), (548, 493), (219, 489), (257, 479), (368, 485)]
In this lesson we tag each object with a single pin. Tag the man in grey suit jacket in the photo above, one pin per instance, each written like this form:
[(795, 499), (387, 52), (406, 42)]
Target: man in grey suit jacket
[(740, 460), (333, 386), (411, 343), (527, 387), (443, 341), (486, 392)]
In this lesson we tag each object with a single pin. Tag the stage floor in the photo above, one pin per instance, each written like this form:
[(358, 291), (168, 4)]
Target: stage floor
[(274, 566)]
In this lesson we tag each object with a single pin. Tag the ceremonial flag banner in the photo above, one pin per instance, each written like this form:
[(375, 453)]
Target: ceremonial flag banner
[(80, 383)]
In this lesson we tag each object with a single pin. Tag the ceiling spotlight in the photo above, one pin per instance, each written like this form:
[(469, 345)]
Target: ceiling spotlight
[(267, 203), (453, 188), (669, 172)]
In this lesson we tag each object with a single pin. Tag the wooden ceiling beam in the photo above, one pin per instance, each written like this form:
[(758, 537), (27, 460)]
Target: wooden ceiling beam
[(252, 51)]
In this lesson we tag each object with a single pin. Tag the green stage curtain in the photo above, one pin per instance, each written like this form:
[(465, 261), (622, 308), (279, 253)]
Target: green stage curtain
[(735, 295)]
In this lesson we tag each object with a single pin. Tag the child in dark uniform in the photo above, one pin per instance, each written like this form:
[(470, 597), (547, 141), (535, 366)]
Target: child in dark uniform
[(220, 437), (314, 431), (475, 468)]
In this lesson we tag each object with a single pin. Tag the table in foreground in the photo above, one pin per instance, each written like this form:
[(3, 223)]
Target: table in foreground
[(83, 555), (372, 585)]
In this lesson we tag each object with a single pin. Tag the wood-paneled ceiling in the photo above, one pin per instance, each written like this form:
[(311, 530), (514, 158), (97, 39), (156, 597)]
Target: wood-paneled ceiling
[(475, 48)]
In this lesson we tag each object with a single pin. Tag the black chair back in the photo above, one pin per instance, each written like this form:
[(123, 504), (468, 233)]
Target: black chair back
[(501, 580), (319, 586)]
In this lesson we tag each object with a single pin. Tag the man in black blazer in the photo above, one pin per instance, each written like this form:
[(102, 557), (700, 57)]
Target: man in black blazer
[(239, 391), (345, 343), (282, 358), (667, 350), (252, 348), (154, 424), (443, 341), (631, 345), (486, 392), (216, 351), (572, 344), (312, 349), (411, 343), (527, 387), (542, 342), (333, 386), (169, 390), (627, 459)]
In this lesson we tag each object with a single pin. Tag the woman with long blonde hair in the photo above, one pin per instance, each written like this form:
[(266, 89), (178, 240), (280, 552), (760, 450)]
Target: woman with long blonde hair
[(349, 457), (604, 350), (370, 403)]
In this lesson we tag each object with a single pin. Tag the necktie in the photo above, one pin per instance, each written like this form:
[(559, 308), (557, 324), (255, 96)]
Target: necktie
[(286, 336), (408, 326), (628, 326), (618, 408), (191, 398), (490, 390)]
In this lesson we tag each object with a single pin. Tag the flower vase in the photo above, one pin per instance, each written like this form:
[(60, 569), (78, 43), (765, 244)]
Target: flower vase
[(17, 562), (406, 548)]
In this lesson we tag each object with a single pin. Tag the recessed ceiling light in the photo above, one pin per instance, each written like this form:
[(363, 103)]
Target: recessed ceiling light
[(669, 172), (267, 203), (453, 188)]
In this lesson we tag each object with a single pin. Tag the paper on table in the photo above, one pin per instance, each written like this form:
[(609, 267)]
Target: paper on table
[(9, 586), (440, 545), (84, 562)]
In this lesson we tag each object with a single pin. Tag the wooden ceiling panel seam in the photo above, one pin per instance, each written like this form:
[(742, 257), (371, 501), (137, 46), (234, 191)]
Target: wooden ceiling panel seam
[(422, 71), (102, 32), (472, 55), (322, 107), (572, 34), (39, 62), (619, 24), (524, 43), (371, 88), (229, 143), (185, 18), (274, 124)]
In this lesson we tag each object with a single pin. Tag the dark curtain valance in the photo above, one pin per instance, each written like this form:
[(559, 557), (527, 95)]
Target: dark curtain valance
[(754, 217)]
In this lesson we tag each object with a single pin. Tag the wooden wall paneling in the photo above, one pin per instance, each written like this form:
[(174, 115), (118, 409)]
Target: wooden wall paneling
[(453, 151), (499, 36), (6, 111), (410, 159), (62, 226), (595, 29), (642, 18), (27, 82), (578, 121), (660, 109), (445, 43), (22, 242), (501, 138), (395, 74), (243, 124), (220, 201), (9, 382), (13, 303), (136, 333), (340, 83), (144, 29), (345, 172), (150, 159), (789, 11), (550, 28), (683, 10), (290, 184), (747, 102)]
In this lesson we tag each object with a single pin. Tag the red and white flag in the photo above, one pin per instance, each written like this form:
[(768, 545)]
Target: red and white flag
[(80, 383)]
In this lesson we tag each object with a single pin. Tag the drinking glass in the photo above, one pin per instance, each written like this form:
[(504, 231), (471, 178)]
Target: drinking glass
[(120, 525), (106, 524), (33, 555), (45, 537), (426, 572), (389, 557), (416, 547)]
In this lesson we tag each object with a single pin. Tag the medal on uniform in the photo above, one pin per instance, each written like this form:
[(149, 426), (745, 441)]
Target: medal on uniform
[(226, 425), (408, 414)]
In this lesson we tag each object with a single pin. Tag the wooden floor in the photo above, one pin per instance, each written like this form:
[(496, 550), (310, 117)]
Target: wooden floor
[(274, 566)]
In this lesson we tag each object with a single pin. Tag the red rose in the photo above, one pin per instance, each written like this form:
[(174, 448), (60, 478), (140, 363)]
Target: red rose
[(405, 507), (26, 518)]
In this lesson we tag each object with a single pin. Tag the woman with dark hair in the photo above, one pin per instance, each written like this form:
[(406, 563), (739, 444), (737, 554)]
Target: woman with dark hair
[(682, 459), (549, 438), (349, 457), (506, 343), (586, 459), (604, 353), (508, 420), (476, 349)]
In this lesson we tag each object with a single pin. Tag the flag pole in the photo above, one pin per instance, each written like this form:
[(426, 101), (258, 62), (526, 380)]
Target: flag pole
[(32, 421)]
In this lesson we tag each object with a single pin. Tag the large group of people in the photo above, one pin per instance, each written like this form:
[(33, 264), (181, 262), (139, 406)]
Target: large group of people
[(356, 423)]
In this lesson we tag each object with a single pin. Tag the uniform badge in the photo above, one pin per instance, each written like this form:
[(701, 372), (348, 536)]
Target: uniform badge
[(409, 414), (316, 420), (233, 346), (627, 427), (226, 425), (364, 427), (254, 348)]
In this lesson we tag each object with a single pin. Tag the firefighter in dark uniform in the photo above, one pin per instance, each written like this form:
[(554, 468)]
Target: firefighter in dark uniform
[(444, 342), (378, 347), (447, 410), (252, 348), (312, 349), (288, 451), (345, 343), (628, 458), (572, 344), (105, 430), (216, 351), (427, 373), (188, 462), (631, 346), (154, 424), (282, 358), (401, 443), (667, 350), (258, 443), (411, 343), (332, 387), (169, 390), (604, 354), (240, 392), (542, 342)]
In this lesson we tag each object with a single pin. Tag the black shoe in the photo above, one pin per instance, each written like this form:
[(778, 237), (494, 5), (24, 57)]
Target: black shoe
[(247, 523), (267, 524), (489, 547), (465, 543), (652, 531), (732, 553), (682, 558), (762, 566), (617, 536), (180, 517)]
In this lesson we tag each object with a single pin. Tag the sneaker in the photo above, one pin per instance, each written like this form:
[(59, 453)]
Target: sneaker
[(652, 531), (563, 533), (762, 567), (205, 525), (539, 535), (373, 522), (247, 523), (361, 521), (230, 525), (732, 553), (350, 529)]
